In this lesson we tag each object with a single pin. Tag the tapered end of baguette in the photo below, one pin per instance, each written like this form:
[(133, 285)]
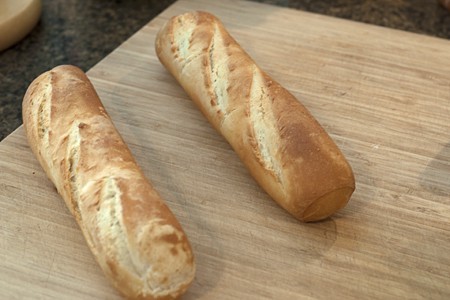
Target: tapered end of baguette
[(327, 205)]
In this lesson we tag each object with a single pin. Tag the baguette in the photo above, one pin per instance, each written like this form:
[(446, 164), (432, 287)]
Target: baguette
[(133, 235), (284, 148)]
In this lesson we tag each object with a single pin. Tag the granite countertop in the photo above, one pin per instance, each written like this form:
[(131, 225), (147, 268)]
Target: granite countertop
[(82, 32)]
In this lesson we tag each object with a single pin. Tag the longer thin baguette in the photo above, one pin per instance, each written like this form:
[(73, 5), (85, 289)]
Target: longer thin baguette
[(282, 145), (133, 235)]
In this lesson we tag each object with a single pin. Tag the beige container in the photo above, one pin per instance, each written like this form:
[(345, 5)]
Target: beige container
[(17, 18)]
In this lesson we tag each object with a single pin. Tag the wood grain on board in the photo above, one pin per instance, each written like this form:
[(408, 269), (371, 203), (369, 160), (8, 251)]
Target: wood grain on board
[(384, 97)]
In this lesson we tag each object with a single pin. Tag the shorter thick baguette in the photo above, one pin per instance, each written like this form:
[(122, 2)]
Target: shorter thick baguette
[(133, 235), (285, 149)]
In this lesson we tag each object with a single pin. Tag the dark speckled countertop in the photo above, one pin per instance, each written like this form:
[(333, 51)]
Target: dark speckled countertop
[(82, 32)]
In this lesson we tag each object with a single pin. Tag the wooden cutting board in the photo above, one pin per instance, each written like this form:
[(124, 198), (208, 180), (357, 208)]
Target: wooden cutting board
[(384, 97)]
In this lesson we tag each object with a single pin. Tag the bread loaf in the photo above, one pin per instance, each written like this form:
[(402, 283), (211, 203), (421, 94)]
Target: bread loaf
[(284, 148), (133, 235)]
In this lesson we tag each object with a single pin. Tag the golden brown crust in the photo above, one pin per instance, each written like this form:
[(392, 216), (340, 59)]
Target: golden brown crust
[(133, 235), (282, 145)]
